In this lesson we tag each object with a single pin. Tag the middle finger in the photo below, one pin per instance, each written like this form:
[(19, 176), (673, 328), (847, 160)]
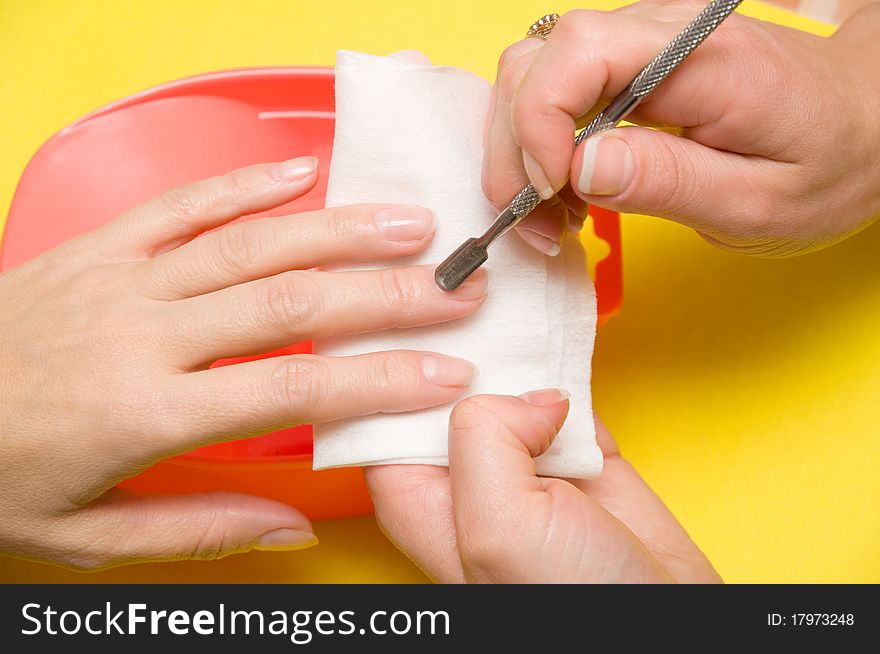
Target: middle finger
[(503, 172), (298, 305)]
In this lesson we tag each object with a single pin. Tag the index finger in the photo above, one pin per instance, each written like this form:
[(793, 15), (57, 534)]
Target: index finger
[(183, 212), (503, 172)]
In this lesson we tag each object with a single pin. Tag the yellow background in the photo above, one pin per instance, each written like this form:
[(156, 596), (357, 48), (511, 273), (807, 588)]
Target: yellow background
[(745, 391)]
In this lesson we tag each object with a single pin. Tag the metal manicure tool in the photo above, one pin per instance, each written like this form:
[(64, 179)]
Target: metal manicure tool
[(471, 254)]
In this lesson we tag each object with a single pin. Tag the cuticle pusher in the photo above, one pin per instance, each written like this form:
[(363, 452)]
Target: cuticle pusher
[(471, 254)]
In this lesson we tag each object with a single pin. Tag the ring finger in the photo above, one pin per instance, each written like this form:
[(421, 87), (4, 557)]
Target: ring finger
[(258, 396)]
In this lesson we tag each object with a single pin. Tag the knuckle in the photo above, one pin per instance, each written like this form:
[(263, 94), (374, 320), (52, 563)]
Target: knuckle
[(512, 68), (400, 290), (291, 301), (236, 184), (77, 548), (237, 251), (301, 383), (87, 288), (510, 77), (208, 548), (182, 203), (577, 24), (673, 177), (536, 120), (389, 372), (212, 539), (508, 54), (342, 225), (474, 413)]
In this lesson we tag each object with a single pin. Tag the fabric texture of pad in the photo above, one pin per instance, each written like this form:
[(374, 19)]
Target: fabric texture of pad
[(408, 132)]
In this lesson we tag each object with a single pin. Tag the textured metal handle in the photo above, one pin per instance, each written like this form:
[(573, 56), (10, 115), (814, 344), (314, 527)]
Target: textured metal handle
[(525, 202), (660, 66), (646, 81), (610, 116), (681, 46), (471, 255)]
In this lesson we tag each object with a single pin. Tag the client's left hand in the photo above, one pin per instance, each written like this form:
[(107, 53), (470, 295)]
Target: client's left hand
[(489, 518)]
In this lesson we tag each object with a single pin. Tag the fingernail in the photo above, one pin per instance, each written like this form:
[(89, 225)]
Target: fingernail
[(577, 209), (608, 166), (537, 176), (546, 397), (285, 540), (448, 371), (538, 241), (576, 224), (473, 288), (293, 169), (405, 223)]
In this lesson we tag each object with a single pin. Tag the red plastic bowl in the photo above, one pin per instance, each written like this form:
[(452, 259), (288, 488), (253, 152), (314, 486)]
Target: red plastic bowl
[(132, 150)]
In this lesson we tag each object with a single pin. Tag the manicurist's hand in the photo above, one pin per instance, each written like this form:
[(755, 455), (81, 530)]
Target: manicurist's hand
[(489, 518), (105, 344), (776, 148)]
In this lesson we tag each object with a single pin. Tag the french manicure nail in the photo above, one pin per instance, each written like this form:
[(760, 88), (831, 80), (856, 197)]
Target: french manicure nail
[(285, 540), (546, 397), (293, 169), (405, 223), (447, 371), (540, 242), (537, 176), (607, 166)]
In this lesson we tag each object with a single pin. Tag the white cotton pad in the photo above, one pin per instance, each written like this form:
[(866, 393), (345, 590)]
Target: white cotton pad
[(411, 133)]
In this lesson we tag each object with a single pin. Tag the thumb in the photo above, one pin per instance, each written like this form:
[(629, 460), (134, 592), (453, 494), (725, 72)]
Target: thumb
[(493, 440), (640, 170), (123, 528), (495, 491), (513, 526)]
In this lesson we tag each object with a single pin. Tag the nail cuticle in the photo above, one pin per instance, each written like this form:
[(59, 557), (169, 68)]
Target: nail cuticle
[(540, 242), (546, 397), (470, 291), (448, 371), (405, 224), (294, 170), (613, 175), (540, 181)]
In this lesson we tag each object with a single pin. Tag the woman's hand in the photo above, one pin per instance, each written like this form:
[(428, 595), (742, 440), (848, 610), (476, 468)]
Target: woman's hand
[(105, 344), (489, 518), (776, 149)]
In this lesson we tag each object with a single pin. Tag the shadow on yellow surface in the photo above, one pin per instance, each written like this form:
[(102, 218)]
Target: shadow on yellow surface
[(743, 389)]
